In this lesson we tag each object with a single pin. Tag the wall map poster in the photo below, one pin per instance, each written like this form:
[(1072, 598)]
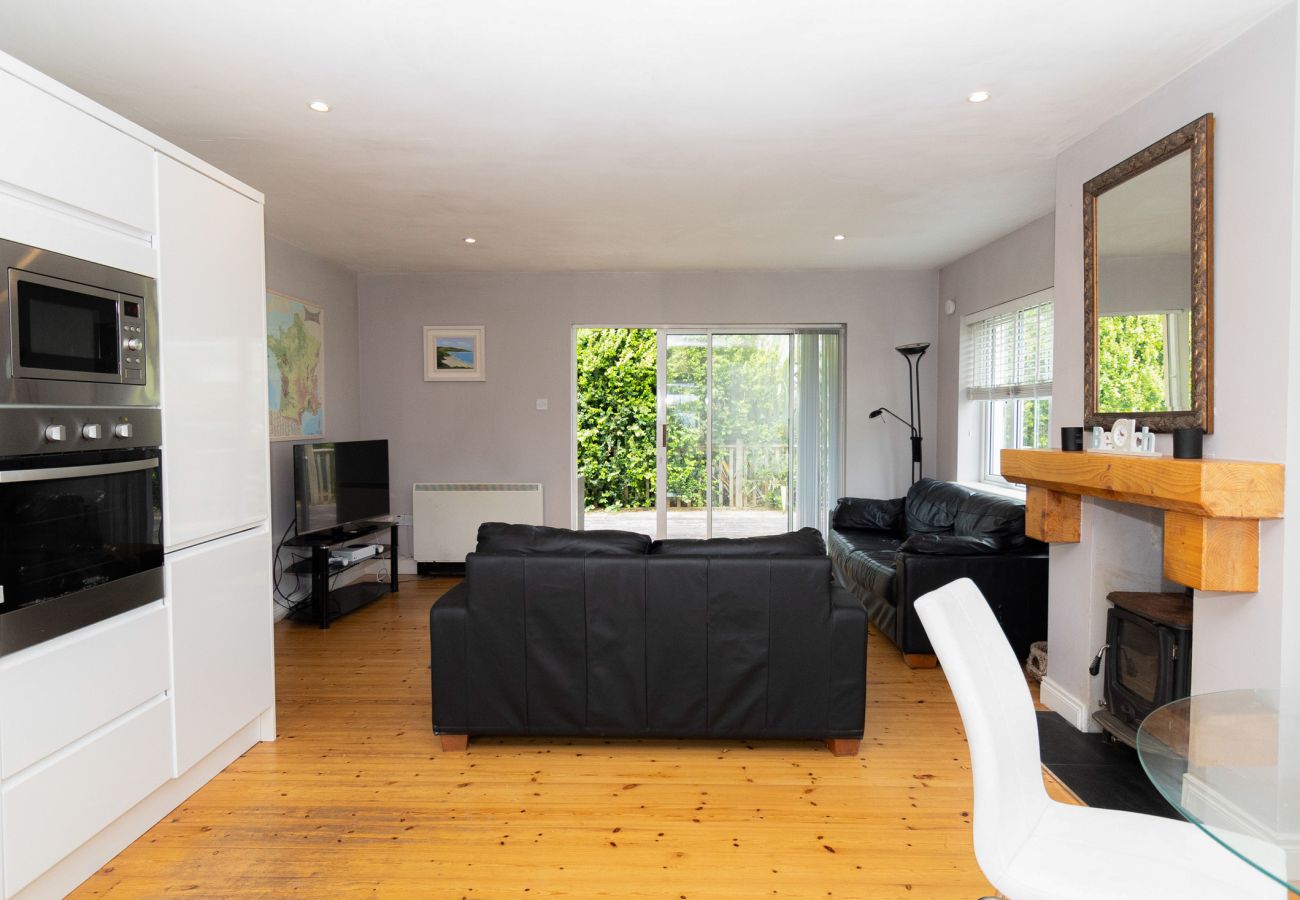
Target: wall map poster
[(295, 357)]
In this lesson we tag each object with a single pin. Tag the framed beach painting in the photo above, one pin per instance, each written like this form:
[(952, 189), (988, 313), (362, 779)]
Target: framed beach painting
[(454, 353)]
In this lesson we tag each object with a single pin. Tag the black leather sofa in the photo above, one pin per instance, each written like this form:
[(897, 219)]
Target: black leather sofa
[(563, 633), (888, 553)]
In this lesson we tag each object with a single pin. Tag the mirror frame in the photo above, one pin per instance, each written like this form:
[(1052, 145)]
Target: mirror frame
[(1197, 138)]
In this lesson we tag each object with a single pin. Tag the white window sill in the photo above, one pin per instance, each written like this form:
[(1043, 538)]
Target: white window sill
[(1012, 492)]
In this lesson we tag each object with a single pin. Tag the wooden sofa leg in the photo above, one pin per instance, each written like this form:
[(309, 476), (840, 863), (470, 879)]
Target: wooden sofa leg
[(843, 746), (921, 660), (454, 743)]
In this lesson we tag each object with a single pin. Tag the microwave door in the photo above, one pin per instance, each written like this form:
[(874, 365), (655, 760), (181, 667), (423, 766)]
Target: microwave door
[(65, 331)]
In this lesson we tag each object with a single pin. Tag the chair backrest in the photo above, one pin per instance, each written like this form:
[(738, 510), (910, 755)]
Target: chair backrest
[(998, 715)]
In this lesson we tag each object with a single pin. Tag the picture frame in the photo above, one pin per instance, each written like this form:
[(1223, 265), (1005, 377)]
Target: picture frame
[(454, 353)]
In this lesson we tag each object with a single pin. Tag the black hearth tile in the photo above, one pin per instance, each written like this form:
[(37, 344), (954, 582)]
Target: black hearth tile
[(1114, 787), (1100, 772), (1060, 742)]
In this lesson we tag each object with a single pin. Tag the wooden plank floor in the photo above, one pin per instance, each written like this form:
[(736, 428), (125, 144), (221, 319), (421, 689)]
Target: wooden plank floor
[(356, 799)]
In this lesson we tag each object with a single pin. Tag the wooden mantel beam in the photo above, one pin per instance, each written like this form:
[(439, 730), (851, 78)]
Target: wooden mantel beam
[(1212, 506)]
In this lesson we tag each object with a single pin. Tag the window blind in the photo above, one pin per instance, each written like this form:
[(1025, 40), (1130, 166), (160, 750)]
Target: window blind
[(1009, 355)]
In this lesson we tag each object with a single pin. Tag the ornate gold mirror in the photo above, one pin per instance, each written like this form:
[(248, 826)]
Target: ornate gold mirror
[(1148, 248)]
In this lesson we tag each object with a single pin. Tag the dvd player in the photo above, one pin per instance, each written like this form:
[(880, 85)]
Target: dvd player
[(355, 553)]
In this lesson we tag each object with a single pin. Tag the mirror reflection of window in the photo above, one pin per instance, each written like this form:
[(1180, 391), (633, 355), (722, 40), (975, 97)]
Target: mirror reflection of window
[(1144, 265)]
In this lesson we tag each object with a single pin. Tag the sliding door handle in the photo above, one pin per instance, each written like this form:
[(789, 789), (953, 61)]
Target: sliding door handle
[(664, 436)]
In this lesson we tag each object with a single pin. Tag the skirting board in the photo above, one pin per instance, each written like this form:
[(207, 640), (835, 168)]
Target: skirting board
[(1074, 711), (1204, 801), (86, 859)]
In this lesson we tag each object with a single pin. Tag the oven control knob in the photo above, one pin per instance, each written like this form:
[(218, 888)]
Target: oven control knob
[(91, 432), (56, 433), (122, 430), (134, 344)]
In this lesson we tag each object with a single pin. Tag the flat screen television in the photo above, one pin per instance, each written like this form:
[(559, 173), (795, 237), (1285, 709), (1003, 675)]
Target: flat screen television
[(339, 483)]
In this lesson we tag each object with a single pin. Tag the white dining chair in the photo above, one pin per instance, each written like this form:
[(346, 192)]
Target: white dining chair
[(1027, 844)]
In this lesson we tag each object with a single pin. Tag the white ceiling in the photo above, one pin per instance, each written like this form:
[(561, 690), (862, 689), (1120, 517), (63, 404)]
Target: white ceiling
[(612, 134)]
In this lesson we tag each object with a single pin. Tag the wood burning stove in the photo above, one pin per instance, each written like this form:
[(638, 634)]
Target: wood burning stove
[(1148, 656)]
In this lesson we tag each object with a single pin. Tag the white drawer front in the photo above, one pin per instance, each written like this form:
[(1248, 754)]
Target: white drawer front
[(57, 692), (66, 156), (53, 808)]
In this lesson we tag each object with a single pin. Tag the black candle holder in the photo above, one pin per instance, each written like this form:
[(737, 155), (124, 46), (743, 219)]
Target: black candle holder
[(1188, 443)]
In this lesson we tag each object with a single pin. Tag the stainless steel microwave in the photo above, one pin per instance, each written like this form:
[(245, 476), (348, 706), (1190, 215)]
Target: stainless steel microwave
[(75, 333)]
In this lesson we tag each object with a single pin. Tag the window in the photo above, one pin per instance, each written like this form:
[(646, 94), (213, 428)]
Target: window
[(1008, 352)]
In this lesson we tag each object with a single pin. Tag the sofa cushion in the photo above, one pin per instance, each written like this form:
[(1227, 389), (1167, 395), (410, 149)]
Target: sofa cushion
[(804, 542), (932, 506), (954, 545), (846, 540), (858, 512), (525, 540), (984, 515)]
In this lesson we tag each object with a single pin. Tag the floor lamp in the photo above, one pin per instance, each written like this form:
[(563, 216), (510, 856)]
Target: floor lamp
[(912, 353)]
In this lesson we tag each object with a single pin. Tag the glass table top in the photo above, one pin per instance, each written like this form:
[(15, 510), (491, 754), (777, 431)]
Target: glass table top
[(1230, 763)]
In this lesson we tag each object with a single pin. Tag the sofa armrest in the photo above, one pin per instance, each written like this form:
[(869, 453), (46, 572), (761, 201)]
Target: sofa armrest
[(848, 687), (1014, 584), (447, 622)]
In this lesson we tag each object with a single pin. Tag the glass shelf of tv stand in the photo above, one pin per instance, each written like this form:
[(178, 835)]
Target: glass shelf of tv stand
[(343, 535), (329, 603), (1229, 762)]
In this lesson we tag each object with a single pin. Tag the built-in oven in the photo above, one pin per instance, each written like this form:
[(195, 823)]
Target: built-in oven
[(75, 332), (81, 518)]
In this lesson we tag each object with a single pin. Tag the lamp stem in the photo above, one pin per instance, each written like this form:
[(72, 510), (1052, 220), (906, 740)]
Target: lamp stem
[(916, 446)]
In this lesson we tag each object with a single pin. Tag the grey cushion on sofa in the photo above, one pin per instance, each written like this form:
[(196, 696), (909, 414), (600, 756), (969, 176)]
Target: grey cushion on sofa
[(804, 542), (526, 540)]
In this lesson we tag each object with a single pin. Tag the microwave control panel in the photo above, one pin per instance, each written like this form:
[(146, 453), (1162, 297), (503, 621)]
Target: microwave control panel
[(133, 341)]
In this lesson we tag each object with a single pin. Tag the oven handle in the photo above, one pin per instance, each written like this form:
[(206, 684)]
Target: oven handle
[(134, 465)]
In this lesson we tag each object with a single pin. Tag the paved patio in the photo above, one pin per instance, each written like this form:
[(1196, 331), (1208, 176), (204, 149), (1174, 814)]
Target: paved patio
[(690, 523)]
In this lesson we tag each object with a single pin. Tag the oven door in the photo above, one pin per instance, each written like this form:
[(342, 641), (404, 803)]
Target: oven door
[(80, 541)]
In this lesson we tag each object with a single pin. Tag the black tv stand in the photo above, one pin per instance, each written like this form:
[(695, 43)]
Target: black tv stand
[(328, 605)]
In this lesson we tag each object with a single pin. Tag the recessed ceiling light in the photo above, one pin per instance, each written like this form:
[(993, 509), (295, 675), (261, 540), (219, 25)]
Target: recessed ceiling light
[(979, 96), (839, 237), (318, 106), (471, 240)]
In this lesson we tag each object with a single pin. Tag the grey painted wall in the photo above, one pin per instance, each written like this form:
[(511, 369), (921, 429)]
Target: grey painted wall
[(297, 273), (1240, 640), (492, 430), (1011, 267)]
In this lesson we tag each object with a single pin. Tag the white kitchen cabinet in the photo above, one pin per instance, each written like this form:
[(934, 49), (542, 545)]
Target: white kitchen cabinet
[(67, 157), (223, 661), (73, 184), (212, 319), (106, 728)]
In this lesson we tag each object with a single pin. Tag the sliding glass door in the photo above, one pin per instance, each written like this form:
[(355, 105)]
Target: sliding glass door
[(748, 431)]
